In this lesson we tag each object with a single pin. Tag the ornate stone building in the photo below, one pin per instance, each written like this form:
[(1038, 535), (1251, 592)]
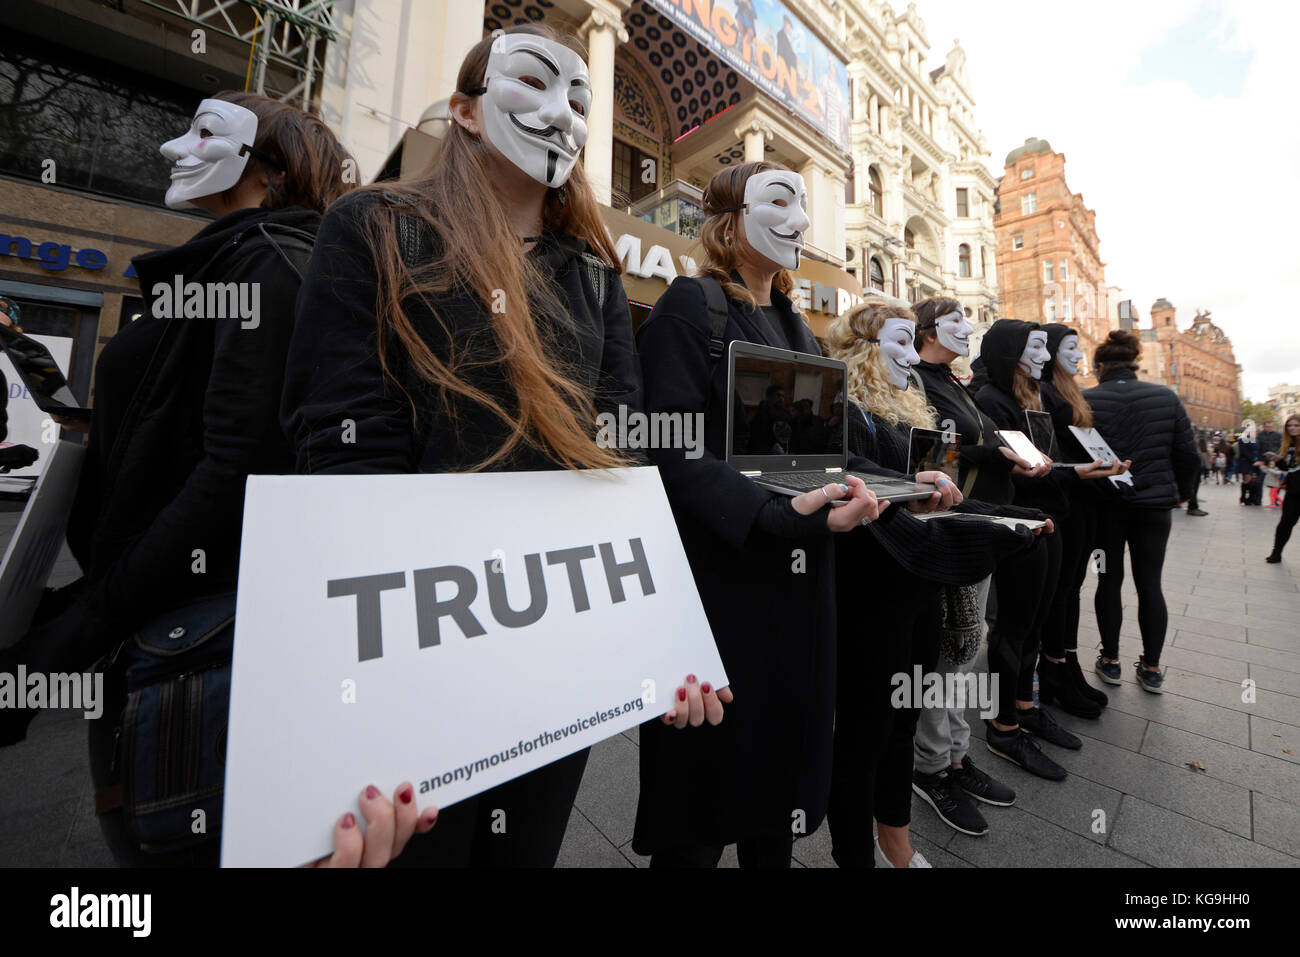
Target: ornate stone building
[(1199, 365), (1048, 251), (919, 215)]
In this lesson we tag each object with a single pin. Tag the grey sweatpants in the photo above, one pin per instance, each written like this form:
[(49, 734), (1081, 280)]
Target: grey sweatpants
[(943, 734)]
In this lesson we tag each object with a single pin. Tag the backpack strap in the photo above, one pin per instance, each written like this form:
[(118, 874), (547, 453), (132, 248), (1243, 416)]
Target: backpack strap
[(718, 316), (598, 275)]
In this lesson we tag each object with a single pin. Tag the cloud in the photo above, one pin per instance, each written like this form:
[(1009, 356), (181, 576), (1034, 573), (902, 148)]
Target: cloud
[(1193, 170)]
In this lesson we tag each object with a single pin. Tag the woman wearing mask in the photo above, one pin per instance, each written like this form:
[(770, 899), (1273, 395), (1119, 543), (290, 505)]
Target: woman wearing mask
[(1289, 463), (987, 472), (763, 562), (186, 407), (898, 627), (1062, 399), (471, 319), (1147, 424), (1015, 354)]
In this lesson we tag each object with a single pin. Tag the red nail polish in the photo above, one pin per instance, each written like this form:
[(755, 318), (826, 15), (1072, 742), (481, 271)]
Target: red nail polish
[(681, 694), (705, 687), (406, 794), (349, 821), (690, 679), (372, 792)]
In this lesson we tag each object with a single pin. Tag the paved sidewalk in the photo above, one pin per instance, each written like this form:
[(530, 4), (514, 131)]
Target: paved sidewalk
[(1232, 618)]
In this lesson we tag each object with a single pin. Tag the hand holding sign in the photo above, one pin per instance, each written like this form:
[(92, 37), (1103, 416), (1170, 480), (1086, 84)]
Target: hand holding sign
[(388, 827), (695, 703)]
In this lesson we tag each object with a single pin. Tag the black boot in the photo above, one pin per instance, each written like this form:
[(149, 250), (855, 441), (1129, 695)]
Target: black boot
[(1056, 684), (1072, 667)]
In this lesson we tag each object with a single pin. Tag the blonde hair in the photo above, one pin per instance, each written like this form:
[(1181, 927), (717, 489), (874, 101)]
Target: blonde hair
[(849, 339)]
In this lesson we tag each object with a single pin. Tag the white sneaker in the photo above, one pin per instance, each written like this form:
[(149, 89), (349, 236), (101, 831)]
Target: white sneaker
[(916, 861)]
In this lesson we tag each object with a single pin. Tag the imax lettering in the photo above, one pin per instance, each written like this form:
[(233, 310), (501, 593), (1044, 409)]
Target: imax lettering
[(460, 588)]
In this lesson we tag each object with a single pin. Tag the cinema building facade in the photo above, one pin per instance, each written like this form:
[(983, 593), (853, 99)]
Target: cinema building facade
[(898, 195)]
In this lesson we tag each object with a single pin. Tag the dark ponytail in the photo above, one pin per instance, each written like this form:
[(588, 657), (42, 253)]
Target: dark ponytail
[(1120, 350)]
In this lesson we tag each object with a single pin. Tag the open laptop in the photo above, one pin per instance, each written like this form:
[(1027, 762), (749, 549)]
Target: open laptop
[(40, 374), (933, 451), (1042, 432), (787, 427)]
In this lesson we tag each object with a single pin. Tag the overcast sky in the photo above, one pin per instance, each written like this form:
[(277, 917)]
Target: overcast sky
[(1180, 127)]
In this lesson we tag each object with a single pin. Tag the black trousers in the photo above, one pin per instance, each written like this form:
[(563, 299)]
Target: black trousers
[(871, 769), (1078, 534), (768, 851), (1146, 533), (1290, 512), (517, 824), (1024, 584)]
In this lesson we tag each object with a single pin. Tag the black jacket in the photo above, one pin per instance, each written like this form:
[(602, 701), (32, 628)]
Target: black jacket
[(334, 374), (1147, 423), (1001, 350), (185, 410), (774, 628), (985, 472)]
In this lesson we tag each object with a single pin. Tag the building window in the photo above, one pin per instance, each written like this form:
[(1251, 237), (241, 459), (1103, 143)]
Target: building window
[(1017, 242), (909, 238), (963, 204), (1048, 275), (1027, 173), (849, 187), (1028, 204), (1051, 309), (628, 181), (1067, 310), (877, 280), (877, 193), (963, 261), (1065, 270)]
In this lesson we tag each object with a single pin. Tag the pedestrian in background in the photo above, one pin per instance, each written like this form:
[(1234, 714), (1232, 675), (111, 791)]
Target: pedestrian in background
[(1289, 451)]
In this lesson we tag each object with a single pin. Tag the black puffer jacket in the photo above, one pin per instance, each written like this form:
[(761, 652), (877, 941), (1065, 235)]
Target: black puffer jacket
[(1147, 423)]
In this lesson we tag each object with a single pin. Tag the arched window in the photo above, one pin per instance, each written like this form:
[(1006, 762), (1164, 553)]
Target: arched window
[(909, 238), (877, 281), (963, 261), (877, 192)]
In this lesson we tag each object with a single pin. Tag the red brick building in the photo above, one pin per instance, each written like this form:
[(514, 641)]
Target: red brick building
[(1198, 363), (1049, 258)]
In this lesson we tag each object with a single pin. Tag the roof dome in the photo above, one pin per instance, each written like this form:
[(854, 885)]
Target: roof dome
[(1162, 303), (1032, 145)]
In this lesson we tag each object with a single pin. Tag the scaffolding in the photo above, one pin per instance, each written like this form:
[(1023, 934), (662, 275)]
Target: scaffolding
[(280, 33)]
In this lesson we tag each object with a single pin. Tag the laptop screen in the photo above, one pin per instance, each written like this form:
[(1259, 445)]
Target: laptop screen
[(786, 406), (38, 370), (1042, 433), (931, 452)]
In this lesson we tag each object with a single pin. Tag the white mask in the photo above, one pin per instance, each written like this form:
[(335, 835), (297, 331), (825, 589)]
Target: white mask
[(534, 110), (212, 155), (954, 332), (776, 215), (1069, 355), (897, 351), (1035, 354)]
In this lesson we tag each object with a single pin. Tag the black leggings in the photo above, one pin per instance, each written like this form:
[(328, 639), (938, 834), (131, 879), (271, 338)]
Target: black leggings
[(871, 770), (1024, 583), (1146, 532), (1290, 512), (1078, 533), (768, 851)]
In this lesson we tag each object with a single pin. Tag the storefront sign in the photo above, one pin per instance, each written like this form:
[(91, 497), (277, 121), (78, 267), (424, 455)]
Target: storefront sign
[(769, 46), (55, 257)]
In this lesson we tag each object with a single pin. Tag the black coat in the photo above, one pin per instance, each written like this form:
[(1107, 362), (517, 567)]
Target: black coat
[(334, 373), (1147, 423), (985, 472), (774, 626), (186, 409)]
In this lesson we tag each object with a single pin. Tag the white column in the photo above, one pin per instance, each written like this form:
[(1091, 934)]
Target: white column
[(603, 32), (755, 135)]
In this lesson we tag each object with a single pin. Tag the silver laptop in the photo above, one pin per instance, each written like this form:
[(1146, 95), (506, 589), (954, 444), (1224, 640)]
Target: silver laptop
[(787, 427)]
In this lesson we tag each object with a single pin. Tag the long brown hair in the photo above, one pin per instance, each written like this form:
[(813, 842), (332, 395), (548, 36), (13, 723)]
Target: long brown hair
[(308, 165), (1287, 441), (1025, 388), (720, 235), (476, 248), (1069, 391)]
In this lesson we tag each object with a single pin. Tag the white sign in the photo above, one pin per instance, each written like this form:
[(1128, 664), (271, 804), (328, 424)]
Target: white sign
[(26, 420), (455, 631)]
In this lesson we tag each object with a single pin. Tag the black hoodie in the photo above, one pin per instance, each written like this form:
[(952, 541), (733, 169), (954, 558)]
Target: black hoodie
[(185, 410), (1062, 413), (985, 472), (1001, 349)]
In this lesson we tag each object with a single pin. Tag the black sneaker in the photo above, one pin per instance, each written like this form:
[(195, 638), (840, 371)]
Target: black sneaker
[(981, 786), (1110, 671), (1151, 679), (942, 792), (1040, 723), (1197, 511), (1018, 748), (1274, 559)]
